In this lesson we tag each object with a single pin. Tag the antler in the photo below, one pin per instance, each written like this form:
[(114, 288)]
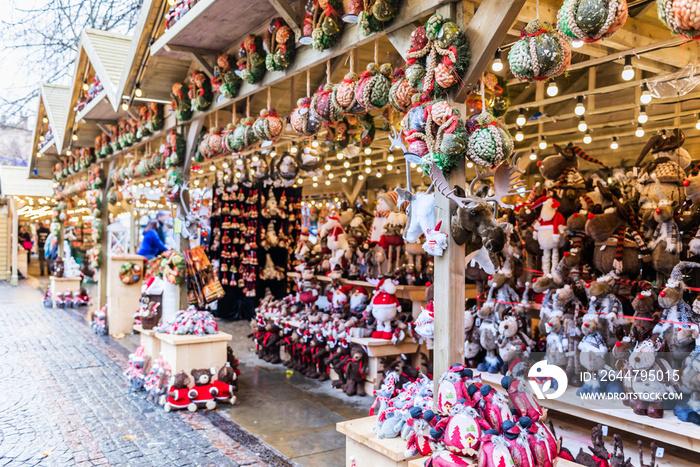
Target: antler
[(396, 140), (442, 187), (506, 181)]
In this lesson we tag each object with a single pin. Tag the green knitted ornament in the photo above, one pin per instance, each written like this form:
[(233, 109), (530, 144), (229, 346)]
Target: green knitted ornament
[(243, 136), (180, 103), (200, 91), (326, 22), (377, 17), (279, 45), (540, 53), (489, 142), (251, 59)]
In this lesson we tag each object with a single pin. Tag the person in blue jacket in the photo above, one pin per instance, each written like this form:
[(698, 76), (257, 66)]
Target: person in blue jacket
[(151, 244)]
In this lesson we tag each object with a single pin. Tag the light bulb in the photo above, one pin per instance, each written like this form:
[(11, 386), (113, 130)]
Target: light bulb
[(343, 179), (379, 174), (576, 43), (533, 156), (413, 165), (85, 85), (328, 182), (642, 117), (300, 181), (645, 98), (390, 158), (552, 89), (519, 136), (368, 170), (315, 184), (639, 132), (272, 154), (613, 144), (697, 125), (420, 170), (368, 162), (389, 167), (346, 164), (521, 120), (543, 143), (470, 164), (224, 165), (368, 151), (348, 173), (125, 105), (293, 150), (41, 137), (580, 109), (587, 138), (239, 161), (582, 125), (628, 71), (255, 158), (212, 168), (340, 156), (315, 178), (314, 143), (45, 119), (138, 92), (327, 167), (330, 175), (360, 177), (75, 136), (497, 64)]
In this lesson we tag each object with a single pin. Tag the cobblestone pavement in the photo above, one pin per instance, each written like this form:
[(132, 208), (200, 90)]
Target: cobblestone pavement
[(64, 402)]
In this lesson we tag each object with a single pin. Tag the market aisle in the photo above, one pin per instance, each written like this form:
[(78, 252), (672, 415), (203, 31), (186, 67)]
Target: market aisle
[(64, 402)]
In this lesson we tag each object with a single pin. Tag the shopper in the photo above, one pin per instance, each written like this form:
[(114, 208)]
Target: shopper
[(25, 239), (160, 217), (151, 244), (42, 233)]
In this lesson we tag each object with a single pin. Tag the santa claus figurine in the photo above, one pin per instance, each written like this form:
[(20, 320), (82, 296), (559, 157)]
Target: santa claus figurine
[(337, 242), (340, 298), (358, 301), (308, 288), (548, 230), (384, 307)]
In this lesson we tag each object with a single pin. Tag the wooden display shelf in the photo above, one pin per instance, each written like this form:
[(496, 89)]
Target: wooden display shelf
[(151, 344), (668, 430), (64, 284), (362, 444), (187, 352)]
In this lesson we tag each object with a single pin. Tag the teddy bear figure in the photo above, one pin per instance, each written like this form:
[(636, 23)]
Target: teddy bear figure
[(225, 384), (513, 346), (355, 372), (665, 242), (592, 350), (178, 392), (203, 392), (605, 304)]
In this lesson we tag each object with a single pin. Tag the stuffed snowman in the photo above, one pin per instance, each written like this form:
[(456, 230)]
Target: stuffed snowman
[(548, 228), (384, 307)]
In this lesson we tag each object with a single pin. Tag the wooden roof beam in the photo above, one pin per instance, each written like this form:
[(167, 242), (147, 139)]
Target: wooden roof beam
[(293, 19)]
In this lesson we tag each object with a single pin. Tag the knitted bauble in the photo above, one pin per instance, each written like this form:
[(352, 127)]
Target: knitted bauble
[(378, 15), (200, 91), (302, 120), (438, 57), (338, 135), (323, 108), (154, 118), (401, 92), (225, 135), (373, 87), (243, 136), (227, 82), (180, 103), (489, 142), (540, 53), (251, 59), (680, 16), (327, 25), (279, 45), (214, 142), (591, 20), (269, 126), (174, 152), (344, 95)]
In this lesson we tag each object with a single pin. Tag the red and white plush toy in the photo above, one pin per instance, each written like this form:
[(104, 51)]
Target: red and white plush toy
[(340, 298), (358, 301), (548, 229), (203, 391), (178, 392), (384, 307), (337, 241)]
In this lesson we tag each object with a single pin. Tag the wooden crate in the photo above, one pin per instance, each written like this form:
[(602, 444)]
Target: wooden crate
[(187, 352), (362, 445), (149, 341), (122, 299)]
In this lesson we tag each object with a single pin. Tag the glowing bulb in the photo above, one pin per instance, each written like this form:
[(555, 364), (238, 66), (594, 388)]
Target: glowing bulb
[(293, 149), (327, 167), (580, 109), (138, 92), (346, 164), (368, 151), (470, 164), (315, 184), (533, 156), (196, 183), (256, 158), (543, 143), (45, 119), (224, 165), (642, 117), (379, 174), (368, 170), (645, 98), (389, 167), (314, 178), (344, 180), (85, 85), (125, 105), (613, 144), (628, 71), (390, 158), (552, 89), (368, 162), (41, 137), (576, 43), (330, 175), (273, 153), (348, 173), (497, 64), (697, 125), (300, 181), (314, 143), (519, 136), (521, 120), (420, 170), (582, 125), (360, 177), (413, 165), (75, 136), (212, 168), (239, 161), (340, 156), (639, 132), (587, 138), (328, 182)]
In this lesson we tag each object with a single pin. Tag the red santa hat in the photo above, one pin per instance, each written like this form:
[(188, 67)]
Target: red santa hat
[(336, 231), (361, 291), (387, 286), (345, 290), (543, 199)]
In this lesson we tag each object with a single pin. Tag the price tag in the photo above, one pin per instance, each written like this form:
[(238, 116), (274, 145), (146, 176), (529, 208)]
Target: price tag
[(660, 452), (177, 225), (604, 428)]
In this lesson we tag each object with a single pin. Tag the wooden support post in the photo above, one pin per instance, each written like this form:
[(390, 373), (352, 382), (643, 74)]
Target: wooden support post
[(104, 241), (591, 87), (285, 10), (14, 280)]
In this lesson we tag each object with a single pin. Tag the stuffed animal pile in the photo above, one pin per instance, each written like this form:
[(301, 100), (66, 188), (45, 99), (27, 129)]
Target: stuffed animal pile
[(190, 321)]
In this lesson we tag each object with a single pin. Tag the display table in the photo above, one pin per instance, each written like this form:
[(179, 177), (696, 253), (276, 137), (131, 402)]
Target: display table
[(379, 348), (149, 341), (63, 284), (362, 444), (122, 299), (188, 352)]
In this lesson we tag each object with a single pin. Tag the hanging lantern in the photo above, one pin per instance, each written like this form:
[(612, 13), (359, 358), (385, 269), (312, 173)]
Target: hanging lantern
[(540, 53), (682, 17), (591, 20), (279, 45)]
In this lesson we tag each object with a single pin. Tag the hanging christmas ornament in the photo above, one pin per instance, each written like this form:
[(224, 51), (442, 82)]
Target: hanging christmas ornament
[(401, 92), (279, 45), (489, 142), (324, 19), (309, 158), (438, 57), (302, 119), (269, 126), (323, 106), (376, 15), (285, 167), (200, 91), (174, 150), (243, 137), (540, 53), (344, 94), (211, 144), (180, 104), (362, 130), (226, 81), (682, 17), (373, 88), (251, 59), (591, 20), (498, 96), (338, 135)]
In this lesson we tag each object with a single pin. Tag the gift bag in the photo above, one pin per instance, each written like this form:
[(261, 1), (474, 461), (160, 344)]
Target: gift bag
[(204, 285)]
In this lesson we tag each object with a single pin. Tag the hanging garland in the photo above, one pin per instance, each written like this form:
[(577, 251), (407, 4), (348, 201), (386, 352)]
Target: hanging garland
[(682, 17), (591, 20), (251, 62), (181, 105), (374, 86), (489, 142), (226, 81), (401, 92), (540, 53), (200, 91), (438, 57), (376, 15), (279, 45), (322, 23)]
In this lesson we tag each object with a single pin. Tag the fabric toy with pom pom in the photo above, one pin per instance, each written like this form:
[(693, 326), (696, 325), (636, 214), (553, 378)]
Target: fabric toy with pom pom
[(540, 53), (435, 241), (591, 20)]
